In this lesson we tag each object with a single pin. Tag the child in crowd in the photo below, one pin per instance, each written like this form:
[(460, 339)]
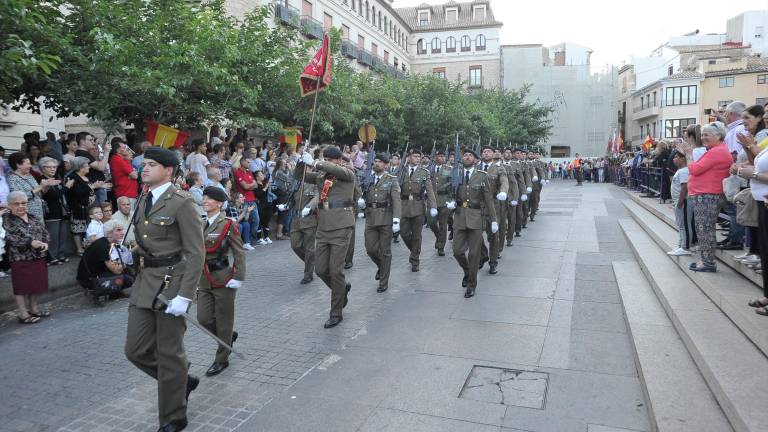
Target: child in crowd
[(239, 211), (95, 228), (683, 214)]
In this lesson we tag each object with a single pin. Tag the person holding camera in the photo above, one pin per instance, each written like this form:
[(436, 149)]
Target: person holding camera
[(26, 241), (105, 256)]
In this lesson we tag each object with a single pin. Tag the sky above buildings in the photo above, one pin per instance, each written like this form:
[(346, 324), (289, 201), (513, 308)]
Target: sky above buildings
[(613, 30)]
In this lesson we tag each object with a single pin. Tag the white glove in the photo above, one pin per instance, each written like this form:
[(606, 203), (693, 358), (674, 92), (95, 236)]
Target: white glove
[(523, 197), (543, 181), (502, 196), (529, 189), (282, 207), (433, 212), (512, 203), (494, 227), (307, 159), (395, 225), (361, 203), (451, 205), (360, 215), (305, 211), (535, 178), (234, 284), (178, 306), (547, 181)]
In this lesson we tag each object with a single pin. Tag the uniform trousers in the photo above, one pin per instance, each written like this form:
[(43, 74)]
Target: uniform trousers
[(303, 245), (330, 251), (378, 246), (410, 231), (216, 312)]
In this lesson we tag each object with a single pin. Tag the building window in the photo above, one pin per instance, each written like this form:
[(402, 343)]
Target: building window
[(327, 22), (762, 79), (727, 82), (450, 44), (451, 15), (344, 32), (670, 70), (386, 56), (480, 43), (306, 8), (396, 62), (439, 72), (478, 13), (374, 49), (367, 11), (675, 128), (360, 42), (423, 17), (466, 44), (723, 103), (360, 7), (761, 101), (379, 21), (475, 76), (386, 23), (685, 95), (421, 47), (436, 45)]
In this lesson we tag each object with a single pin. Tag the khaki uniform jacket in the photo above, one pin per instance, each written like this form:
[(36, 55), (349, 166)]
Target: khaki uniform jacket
[(387, 191), (514, 187), (473, 200), (496, 178), (173, 227), (441, 183), (234, 244), (414, 189), (526, 174), (305, 197), (341, 193)]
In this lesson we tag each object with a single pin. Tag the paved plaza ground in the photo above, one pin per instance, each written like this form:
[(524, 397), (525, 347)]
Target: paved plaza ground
[(543, 346)]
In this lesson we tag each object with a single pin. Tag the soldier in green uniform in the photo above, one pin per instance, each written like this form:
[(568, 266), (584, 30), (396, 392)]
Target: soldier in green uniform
[(513, 199), (522, 208), (304, 224), (335, 219), (470, 198), (394, 169), (220, 280), (416, 187), (382, 218), (538, 183), (497, 179), (357, 196), (441, 182), (169, 234)]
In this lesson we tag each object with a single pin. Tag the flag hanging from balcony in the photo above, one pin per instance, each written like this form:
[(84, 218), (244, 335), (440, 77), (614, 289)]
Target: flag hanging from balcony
[(161, 135), (317, 74), (648, 144)]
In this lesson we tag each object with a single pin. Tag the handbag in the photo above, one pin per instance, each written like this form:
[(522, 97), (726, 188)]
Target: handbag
[(731, 186), (746, 208)]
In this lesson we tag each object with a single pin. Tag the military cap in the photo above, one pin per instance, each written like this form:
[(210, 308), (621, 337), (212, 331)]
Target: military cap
[(215, 193), (382, 157), (162, 156), (332, 152), (469, 150)]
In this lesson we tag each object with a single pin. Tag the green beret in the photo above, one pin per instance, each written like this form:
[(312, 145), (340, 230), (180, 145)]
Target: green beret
[(215, 193), (163, 156)]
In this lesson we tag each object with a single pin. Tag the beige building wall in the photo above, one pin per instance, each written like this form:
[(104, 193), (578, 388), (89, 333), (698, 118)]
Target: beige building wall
[(459, 70), (745, 89)]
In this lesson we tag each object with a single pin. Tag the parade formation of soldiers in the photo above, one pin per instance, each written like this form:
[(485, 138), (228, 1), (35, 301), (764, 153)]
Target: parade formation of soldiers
[(184, 258)]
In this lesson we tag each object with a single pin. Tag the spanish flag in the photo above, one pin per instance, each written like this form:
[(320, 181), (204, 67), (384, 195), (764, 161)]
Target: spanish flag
[(161, 135), (648, 144), (290, 137)]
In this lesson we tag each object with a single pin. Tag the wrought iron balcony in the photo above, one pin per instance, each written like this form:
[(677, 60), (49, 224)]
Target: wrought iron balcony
[(287, 14), (311, 27), (364, 57), (348, 48)]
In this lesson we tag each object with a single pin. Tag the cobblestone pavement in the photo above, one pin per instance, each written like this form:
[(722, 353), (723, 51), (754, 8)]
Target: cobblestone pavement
[(69, 372)]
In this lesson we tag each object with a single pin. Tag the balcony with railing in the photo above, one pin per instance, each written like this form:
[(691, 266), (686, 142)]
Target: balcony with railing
[(287, 14), (364, 57), (348, 48), (378, 64), (645, 111), (311, 27)]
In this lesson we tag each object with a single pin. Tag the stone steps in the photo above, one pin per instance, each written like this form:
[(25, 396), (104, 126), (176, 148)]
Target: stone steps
[(677, 394), (735, 370), (667, 215)]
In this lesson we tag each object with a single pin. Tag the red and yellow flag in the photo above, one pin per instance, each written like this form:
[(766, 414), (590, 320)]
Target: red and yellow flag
[(648, 144), (317, 74), (290, 137), (161, 135)]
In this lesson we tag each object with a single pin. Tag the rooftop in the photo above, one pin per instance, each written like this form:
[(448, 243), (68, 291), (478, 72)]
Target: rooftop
[(438, 21)]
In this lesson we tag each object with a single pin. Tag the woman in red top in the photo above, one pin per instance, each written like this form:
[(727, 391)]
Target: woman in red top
[(246, 184), (124, 183), (705, 189)]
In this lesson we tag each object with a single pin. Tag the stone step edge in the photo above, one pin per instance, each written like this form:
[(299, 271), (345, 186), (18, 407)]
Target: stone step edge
[(711, 373), (736, 311), (671, 408), (725, 256)]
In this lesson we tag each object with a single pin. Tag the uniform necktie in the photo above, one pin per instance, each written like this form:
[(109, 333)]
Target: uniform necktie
[(466, 176), (438, 170), (148, 205), (377, 181), (485, 167), (412, 170)]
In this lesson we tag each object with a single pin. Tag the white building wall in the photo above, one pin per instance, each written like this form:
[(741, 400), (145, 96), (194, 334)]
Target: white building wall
[(655, 67), (699, 39)]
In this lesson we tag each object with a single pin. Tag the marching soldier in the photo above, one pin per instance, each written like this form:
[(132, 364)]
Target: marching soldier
[(522, 208), (382, 218), (497, 179), (169, 234), (335, 219), (349, 257), (514, 196), (441, 182), (394, 169), (304, 227), (470, 198), (416, 186), (220, 280), (538, 183)]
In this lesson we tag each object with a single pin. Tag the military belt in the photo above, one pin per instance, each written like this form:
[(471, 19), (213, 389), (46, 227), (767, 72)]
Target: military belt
[(407, 197), (336, 205), (475, 206), (216, 265), (166, 261), (382, 205)]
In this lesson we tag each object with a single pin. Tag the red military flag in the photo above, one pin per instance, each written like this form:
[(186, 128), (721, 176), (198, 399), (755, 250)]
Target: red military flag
[(317, 74)]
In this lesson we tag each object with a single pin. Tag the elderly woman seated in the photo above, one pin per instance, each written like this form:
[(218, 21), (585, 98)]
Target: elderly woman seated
[(104, 257)]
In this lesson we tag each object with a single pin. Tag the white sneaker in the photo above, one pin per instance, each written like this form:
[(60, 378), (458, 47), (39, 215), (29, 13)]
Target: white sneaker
[(261, 242), (678, 252), (752, 259), (3, 274), (246, 246), (742, 256), (268, 240)]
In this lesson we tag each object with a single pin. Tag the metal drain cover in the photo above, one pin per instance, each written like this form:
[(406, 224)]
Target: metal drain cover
[(506, 386)]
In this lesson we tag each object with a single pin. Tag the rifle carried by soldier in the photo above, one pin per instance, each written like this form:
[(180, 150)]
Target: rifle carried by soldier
[(401, 172), (456, 178)]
